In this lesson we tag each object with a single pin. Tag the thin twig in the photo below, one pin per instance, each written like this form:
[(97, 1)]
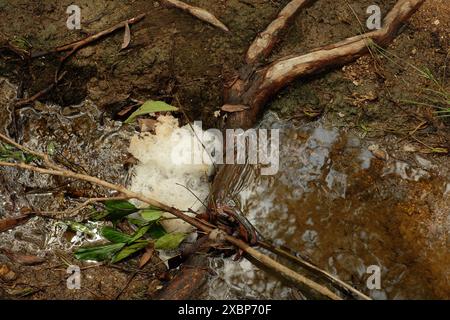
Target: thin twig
[(51, 214), (42, 92), (75, 46), (35, 153)]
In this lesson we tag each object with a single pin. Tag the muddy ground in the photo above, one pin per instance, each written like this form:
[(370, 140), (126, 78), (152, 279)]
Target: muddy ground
[(174, 57)]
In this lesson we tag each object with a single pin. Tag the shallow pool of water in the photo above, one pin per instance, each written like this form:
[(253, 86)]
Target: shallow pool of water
[(346, 210)]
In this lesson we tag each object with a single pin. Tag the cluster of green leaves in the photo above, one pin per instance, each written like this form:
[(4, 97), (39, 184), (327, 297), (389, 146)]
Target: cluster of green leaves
[(123, 245), (11, 153)]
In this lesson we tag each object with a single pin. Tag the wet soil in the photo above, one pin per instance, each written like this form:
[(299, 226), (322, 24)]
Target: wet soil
[(174, 57)]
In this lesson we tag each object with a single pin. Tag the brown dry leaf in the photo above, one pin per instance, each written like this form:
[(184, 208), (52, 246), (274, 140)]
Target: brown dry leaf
[(147, 256), (9, 223), (125, 110), (126, 37), (234, 107)]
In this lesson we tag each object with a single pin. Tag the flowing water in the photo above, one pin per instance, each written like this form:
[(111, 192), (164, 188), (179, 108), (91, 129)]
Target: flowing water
[(346, 210)]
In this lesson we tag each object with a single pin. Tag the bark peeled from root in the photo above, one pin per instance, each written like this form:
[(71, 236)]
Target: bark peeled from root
[(265, 41), (198, 13), (254, 89)]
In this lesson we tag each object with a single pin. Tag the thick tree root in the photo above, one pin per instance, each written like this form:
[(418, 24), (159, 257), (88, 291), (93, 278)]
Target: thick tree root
[(254, 88)]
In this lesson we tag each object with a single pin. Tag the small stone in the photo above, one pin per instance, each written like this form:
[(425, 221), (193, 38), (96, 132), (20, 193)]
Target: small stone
[(378, 152), (436, 22), (153, 287), (6, 274)]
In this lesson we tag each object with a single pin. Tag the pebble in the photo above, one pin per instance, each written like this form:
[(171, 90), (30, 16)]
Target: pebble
[(6, 273)]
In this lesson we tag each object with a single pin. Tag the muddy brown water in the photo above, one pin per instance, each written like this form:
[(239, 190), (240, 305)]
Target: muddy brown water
[(346, 210)]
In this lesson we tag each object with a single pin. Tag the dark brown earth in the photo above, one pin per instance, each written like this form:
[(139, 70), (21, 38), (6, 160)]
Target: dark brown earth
[(174, 56)]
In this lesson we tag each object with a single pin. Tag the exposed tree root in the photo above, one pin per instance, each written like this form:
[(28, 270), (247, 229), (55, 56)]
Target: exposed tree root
[(254, 88), (265, 41)]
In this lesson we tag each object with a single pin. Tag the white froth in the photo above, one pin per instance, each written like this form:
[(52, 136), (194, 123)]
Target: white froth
[(166, 171)]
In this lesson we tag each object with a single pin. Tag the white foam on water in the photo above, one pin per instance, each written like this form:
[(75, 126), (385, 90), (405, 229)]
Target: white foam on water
[(166, 171)]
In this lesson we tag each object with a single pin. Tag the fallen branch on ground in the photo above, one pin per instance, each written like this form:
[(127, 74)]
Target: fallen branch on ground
[(67, 214)]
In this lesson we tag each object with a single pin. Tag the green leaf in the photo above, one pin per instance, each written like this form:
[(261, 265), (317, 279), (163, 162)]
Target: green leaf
[(100, 253), (51, 148), (118, 209), (151, 107), (78, 227), (99, 215), (115, 236), (139, 234), (129, 250), (170, 241), (137, 222), (151, 215), (11, 153), (120, 205), (157, 231)]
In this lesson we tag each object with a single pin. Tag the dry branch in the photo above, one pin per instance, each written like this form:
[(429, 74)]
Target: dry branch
[(199, 13), (74, 46), (255, 88), (265, 41)]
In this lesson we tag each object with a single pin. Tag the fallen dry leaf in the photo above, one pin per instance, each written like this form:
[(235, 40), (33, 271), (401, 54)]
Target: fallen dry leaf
[(6, 273), (147, 125), (147, 256), (9, 223), (234, 107), (126, 37)]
